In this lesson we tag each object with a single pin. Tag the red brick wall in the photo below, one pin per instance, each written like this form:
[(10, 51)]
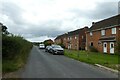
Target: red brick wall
[(82, 38), (97, 35), (95, 38), (74, 42), (58, 41), (65, 42), (118, 33)]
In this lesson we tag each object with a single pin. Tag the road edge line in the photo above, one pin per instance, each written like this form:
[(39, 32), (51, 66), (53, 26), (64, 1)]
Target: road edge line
[(110, 69)]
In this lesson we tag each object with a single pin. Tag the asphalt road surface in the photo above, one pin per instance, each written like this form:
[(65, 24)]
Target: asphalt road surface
[(41, 64)]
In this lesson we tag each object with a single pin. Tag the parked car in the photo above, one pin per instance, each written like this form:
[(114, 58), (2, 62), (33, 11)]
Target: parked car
[(47, 49), (56, 49), (41, 46)]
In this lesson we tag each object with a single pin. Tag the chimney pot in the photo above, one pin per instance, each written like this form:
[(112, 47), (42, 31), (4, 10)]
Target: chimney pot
[(93, 23)]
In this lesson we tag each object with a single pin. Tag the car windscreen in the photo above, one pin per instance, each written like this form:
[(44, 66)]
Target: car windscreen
[(41, 44), (56, 46)]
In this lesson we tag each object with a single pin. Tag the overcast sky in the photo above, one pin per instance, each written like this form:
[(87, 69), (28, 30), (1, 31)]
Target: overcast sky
[(38, 20)]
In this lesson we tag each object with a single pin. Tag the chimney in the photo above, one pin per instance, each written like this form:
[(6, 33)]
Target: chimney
[(85, 27), (93, 23)]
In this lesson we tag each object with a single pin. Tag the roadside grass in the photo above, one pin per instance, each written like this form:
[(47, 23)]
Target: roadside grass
[(15, 51), (0, 66), (107, 60)]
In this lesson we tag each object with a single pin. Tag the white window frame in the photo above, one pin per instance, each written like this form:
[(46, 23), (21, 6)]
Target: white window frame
[(64, 38), (75, 37), (91, 43), (113, 30), (68, 38), (102, 32), (91, 33), (82, 37)]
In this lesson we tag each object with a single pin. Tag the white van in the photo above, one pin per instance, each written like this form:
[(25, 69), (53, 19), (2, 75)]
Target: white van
[(41, 46)]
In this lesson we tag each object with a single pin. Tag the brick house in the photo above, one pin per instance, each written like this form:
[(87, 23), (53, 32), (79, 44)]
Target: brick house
[(48, 42), (103, 35), (73, 40), (61, 39)]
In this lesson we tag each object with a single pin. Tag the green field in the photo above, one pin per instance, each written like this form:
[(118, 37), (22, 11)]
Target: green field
[(107, 60)]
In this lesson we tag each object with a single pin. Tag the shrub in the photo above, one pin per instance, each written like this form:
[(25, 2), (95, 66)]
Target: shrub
[(15, 50), (117, 47), (93, 49), (62, 45)]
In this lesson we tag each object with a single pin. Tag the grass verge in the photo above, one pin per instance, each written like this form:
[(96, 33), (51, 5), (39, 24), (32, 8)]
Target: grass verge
[(107, 60)]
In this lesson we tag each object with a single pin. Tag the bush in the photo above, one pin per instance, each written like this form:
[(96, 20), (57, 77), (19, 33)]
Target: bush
[(93, 49), (62, 45), (117, 48), (10, 47), (15, 50)]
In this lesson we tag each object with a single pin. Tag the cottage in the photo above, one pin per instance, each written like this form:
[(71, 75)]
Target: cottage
[(104, 34)]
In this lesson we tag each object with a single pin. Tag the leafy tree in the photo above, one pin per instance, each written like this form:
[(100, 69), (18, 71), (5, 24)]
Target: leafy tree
[(62, 45), (48, 42), (4, 29)]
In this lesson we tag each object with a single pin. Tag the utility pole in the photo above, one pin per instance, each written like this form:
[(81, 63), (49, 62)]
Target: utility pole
[(119, 7)]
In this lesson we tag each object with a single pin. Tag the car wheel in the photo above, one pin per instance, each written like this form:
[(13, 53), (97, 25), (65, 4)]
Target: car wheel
[(53, 52)]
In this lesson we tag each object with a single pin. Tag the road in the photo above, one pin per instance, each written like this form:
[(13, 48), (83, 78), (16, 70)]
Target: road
[(41, 64)]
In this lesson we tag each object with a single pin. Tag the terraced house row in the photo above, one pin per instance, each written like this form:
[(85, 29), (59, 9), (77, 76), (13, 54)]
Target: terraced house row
[(74, 39), (102, 35)]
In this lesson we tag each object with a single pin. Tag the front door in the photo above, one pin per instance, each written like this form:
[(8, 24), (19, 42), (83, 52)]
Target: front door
[(111, 47), (105, 47)]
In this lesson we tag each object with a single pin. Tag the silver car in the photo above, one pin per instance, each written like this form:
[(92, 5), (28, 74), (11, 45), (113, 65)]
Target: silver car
[(47, 49), (56, 49)]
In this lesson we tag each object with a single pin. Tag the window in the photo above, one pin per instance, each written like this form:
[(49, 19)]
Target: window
[(91, 44), (75, 37), (102, 32), (69, 46), (82, 37), (113, 30), (99, 42), (91, 33), (105, 45), (64, 38), (68, 38), (112, 46)]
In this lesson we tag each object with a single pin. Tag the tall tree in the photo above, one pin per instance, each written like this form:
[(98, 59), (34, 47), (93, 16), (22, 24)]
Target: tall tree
[(4, 29)]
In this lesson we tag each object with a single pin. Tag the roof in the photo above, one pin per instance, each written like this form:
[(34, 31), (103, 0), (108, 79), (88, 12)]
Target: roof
[(76, 32), (112, 21), (60, 36)]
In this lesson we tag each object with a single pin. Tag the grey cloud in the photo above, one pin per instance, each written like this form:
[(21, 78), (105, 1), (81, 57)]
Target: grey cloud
[(50, 28), (13, 12), (39, 31), (106, 9), (102, 10)]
